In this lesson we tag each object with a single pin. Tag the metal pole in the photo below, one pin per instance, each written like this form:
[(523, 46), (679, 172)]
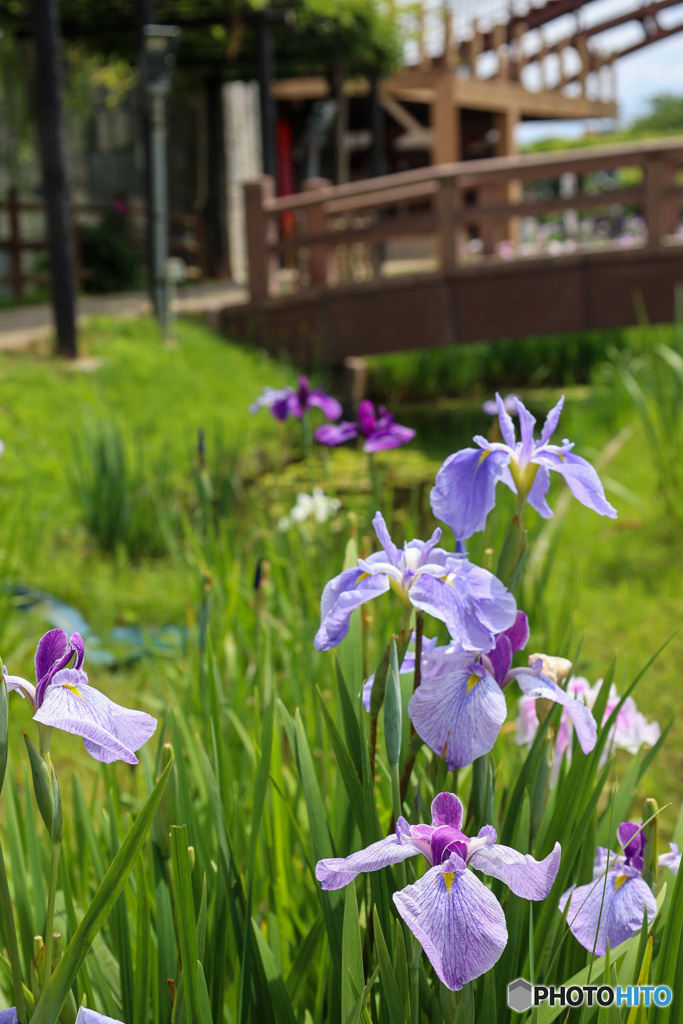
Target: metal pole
[(159, 208)]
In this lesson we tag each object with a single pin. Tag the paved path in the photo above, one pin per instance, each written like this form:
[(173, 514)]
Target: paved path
[(21, 325)]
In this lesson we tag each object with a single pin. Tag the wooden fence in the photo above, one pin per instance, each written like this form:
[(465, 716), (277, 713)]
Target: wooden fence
[(185, 230), (452, 203)]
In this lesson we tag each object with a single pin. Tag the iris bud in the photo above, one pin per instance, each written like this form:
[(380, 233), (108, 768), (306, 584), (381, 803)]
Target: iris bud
[(392, 709), (46, 790)]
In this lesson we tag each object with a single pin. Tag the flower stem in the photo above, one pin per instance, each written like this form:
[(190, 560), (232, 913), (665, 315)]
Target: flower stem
[(49, 921), (415, 986), (374, 480), (396, 804), (12, 944)]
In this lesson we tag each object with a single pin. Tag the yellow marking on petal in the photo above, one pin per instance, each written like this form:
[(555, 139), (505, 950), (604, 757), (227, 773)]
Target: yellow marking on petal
[(74, 690), (472, 681), (363, 576), (481, 459), (448, 879), (619, 882)]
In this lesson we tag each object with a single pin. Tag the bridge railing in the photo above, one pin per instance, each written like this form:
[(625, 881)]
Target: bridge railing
[(299, 238)]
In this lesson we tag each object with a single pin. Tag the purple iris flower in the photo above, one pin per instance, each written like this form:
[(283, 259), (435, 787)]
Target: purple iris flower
[(473, 604), (490, 406), (380, 431), (460, 705), (284, 402), (63, 699), (618, 896), (84, 1016), (465, 489), (457, 920)]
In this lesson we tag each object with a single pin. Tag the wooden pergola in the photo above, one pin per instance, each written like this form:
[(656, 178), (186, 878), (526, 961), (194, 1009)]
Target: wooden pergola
[(451, 82)]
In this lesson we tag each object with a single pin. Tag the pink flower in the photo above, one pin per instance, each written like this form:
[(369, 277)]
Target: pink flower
[(629, 732)]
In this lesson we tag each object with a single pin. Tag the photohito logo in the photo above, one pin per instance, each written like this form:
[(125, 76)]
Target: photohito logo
[(522, 995)]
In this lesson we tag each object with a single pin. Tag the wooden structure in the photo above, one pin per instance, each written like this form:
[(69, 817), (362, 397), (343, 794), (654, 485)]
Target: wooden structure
[(462, 297), (469, 85), (17, 240)]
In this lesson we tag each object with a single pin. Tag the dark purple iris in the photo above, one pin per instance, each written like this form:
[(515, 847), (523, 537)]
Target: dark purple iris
[(377, 427), (64, 699), (446, 841), (632, 838), (284, 402), (55, 652)]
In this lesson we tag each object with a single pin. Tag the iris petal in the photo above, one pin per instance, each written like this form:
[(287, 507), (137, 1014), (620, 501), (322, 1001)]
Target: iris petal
[(581, 478), (532, 879), (110, 732), (458, 922), (536, 686), (459, 714), (617, 918), (465, 489), (341, 596), (336, 872)]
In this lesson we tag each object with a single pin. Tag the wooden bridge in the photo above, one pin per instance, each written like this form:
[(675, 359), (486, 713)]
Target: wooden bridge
[(427, 258)]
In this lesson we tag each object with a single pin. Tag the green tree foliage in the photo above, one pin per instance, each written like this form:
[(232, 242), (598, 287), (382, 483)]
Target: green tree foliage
[(665, 115), (220, 35)]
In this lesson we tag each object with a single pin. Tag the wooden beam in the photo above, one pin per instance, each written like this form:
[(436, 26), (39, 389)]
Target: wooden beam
[(444, 118)]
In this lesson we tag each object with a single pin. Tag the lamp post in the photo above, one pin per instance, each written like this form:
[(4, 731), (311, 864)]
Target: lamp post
[(158, 61)]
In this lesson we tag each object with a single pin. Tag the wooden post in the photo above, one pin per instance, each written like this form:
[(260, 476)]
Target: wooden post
[(506, 123), (320, 268), (653, 201), (15, 245), (261, 233), (489, 229), (449, 49), (444, 117), (671, 204), (445, 219), (584, 54), (475, 49), (519, 57), (542, 62), (500, 47), (460, 225)]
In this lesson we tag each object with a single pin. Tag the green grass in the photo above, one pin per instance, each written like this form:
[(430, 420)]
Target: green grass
[(159, 398), (263, 783)]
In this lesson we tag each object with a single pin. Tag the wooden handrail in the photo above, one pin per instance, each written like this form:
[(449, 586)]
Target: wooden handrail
[(537, 165), (445, 201)]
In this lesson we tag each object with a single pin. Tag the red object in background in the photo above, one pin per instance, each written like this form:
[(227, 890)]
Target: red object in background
[(286, 179)]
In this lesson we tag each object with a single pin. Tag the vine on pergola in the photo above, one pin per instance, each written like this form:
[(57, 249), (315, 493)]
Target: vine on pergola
[(220, 35)]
